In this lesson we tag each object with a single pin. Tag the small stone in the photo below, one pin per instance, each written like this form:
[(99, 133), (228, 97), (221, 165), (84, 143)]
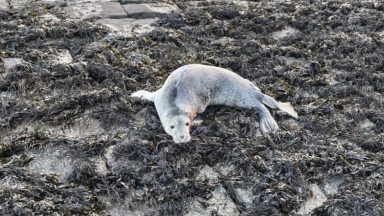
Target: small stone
[(100, 166), (72, 2), (246, 196), (242, 5), (225, 169), (366, 125), (142, 26), (286, 32), (208, 173), (221, 203), (197, 209), (83, 127), (58, 3), (122, 26), (98, 9), (10, 63), (4, 6), (163, 8), (6, 97), (331, 188), (129, 1), (330, 78), (279, 69), (143, 11), (128, 27), (48, 17), (52, 161), (63, 57), (317, 199), (110, 159), (138, 11), (19, 4), (12, 183)]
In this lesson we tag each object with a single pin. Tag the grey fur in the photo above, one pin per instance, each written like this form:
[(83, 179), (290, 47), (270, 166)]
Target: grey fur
[(191, 88)]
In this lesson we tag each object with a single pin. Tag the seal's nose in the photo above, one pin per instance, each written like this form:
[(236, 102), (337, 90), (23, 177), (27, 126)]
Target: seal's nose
[(182, 139)]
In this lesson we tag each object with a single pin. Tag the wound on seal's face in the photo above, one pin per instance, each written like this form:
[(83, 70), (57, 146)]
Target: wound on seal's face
[(178, 127)]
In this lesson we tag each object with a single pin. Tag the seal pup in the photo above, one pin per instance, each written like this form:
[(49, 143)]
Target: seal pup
[(191, 88)]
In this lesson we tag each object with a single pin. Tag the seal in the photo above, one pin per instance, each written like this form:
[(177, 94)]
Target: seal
[(191, 88)]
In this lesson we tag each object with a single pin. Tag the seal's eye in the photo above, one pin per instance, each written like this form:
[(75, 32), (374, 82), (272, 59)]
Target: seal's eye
[(187, 124), (172, 126)]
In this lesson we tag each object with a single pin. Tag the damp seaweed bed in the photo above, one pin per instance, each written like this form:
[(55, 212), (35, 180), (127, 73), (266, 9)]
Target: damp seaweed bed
[(72, 141)]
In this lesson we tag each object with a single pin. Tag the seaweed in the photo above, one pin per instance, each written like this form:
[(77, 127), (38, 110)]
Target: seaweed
[(72, 141)]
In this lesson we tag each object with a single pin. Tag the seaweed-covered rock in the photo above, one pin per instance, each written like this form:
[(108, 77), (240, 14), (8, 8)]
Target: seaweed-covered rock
[(72, 141)]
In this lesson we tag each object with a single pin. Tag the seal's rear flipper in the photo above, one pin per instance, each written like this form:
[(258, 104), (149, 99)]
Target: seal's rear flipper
[(146, 95), (267, 123), (286, 107)]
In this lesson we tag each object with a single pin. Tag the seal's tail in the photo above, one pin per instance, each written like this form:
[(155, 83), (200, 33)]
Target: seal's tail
[(286, 107), (142, 94)]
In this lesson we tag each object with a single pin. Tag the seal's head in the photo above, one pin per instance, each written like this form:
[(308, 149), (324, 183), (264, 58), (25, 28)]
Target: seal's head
[(178, 126)]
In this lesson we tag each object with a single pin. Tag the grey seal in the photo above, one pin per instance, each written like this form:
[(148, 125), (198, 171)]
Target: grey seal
[(191, 88)]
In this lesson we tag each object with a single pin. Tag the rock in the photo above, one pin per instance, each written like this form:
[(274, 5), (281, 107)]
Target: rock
[(52, 161), (286, 32), (48, 17), (197, 209), (18, 4), (11, 183), (100, 165), (366, 125), (225, 169), (242, 5), (129, 2), (63, 57), (330, 79), (125, 209), (138, 11), (278, 69), (142, 26), (245, 195), (109, 157), (80, 128), (289, 61), (72, 2), (127, 26), (317, 199), (58, 3), (163, 8), (219, 204), (381, 35), (332, 186), (6, 97), (4, 6), (10, 63), (143, 11), (83, 127), (119, 25), (97, 9), (207, 173)]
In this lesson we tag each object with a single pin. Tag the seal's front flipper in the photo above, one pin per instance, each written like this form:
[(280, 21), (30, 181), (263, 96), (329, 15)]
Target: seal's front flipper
[(187, 100), (142, 94), (197, 122), (286, 107)]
